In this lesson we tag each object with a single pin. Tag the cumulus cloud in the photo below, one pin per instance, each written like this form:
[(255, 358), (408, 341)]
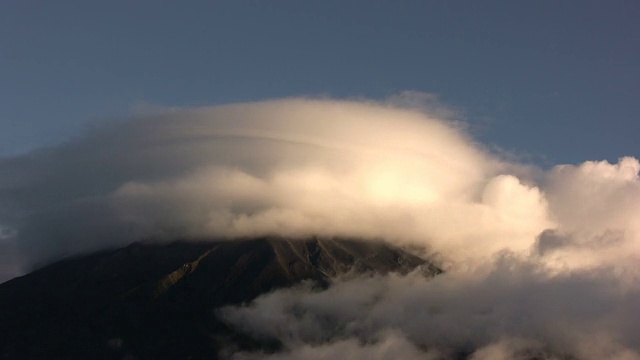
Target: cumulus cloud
[(538, 262), (596, 207)]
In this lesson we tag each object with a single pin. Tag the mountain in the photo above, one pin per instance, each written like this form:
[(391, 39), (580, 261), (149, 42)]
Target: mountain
[(158, 301)]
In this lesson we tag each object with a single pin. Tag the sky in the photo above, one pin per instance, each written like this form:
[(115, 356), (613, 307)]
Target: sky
[(498, 140), (548, 81)]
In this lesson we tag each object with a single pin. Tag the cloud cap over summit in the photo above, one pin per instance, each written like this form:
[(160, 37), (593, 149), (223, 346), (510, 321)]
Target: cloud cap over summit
[(398, 171), (298, 167)]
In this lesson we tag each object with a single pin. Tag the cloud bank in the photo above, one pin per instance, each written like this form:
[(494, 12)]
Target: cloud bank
[(288, 167), (517, 310), (537, 260)]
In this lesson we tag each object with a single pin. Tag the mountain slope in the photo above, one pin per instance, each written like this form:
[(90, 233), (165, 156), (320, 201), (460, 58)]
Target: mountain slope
[(153, 301)]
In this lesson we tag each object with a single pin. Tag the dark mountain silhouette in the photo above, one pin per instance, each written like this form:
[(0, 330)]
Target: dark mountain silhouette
[(153, 301)]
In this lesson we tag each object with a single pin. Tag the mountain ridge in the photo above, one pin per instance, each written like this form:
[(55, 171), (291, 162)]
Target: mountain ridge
[(150, 301)]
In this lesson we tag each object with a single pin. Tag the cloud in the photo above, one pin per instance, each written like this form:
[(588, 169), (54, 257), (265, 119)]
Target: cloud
[(538, 262), (516, 310), (290, 167), (595, 205), (389, 346)]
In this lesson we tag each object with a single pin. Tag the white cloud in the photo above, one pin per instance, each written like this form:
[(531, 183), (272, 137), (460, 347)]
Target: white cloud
[(516, 310), (288, 167), (596, 207), (390, 346), (325, 167), (537, 261)]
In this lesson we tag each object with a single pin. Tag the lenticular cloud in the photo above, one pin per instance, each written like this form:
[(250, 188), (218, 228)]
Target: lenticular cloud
[(289, 167), (537, 261)]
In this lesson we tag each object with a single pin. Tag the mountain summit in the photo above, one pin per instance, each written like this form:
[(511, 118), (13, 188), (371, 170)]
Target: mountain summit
[(150, 301)]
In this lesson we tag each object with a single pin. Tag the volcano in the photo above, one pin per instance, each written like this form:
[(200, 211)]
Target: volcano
[(152, 301)]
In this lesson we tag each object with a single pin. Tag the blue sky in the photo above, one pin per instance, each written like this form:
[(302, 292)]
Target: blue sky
[(555, 81)]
